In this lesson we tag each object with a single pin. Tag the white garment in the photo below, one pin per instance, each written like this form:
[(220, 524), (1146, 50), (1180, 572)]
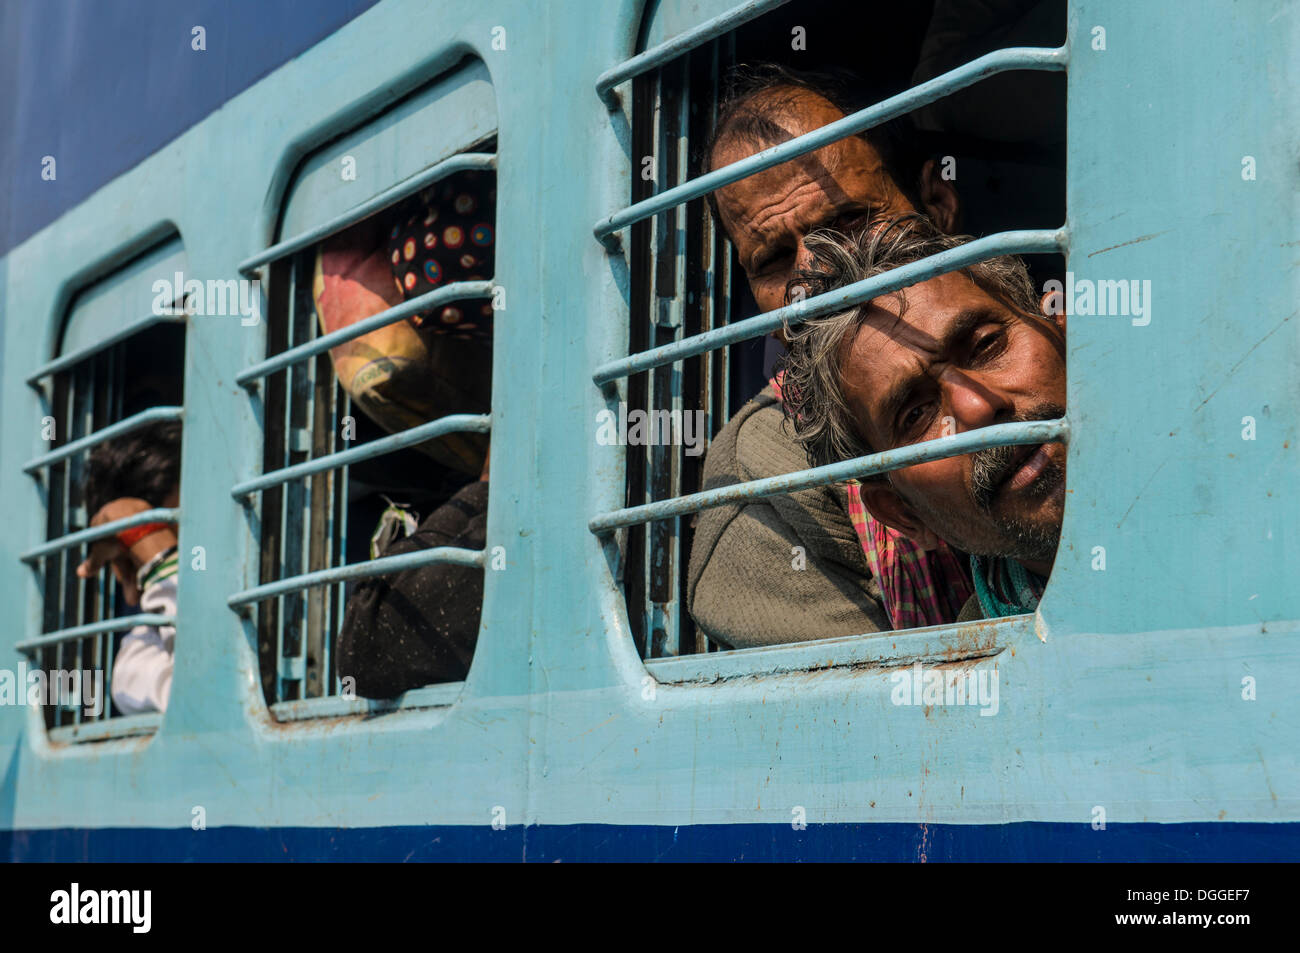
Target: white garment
[(142, 671)]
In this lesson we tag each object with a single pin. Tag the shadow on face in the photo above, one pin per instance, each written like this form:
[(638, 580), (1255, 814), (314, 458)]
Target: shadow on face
[(946, 357)]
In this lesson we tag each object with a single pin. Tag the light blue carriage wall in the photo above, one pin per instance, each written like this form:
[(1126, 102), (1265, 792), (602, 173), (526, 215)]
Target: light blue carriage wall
[(1133, 701)]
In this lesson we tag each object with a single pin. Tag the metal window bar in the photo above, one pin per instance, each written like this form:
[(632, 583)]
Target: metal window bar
[(143, 419), (81, 419), (160, 514), (465, 161), (678, 45), (58, 517), (452, 423), (298, 513), (118, 624), (267, 624), (456, 291), (632, 568), (1025, 242), (66, 361), (667, 317), (304, 523), (448, 555), (999, 435)]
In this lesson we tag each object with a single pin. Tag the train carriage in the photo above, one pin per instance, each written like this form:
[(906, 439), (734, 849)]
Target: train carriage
[(1145, 710)]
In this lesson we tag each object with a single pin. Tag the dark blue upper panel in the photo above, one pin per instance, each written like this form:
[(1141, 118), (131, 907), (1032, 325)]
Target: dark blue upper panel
[(101, 84)]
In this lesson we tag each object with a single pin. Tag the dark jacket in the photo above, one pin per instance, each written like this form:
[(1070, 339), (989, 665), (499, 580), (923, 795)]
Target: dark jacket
[(419, 626)]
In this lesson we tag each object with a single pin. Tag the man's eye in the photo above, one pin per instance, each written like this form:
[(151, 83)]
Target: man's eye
[(852, 220), (988, 345), (771, 263), (913, 418)]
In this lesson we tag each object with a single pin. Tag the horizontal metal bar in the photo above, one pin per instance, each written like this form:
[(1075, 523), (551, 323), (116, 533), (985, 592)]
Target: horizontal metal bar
[(123, 726), (682, 43), (374, 567), (456, 291), (103, 530), (453, 423), (930, 645), (94, 628), (1001, 435), (65, 361), (999, 61), (134, 422), (335, 706), (1029, 242), (458, 163)]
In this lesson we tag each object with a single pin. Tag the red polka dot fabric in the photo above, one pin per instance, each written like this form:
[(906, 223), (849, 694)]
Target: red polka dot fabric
[(447, 234)]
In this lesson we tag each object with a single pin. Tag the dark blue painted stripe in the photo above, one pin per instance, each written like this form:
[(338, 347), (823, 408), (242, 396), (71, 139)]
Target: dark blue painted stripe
[(704, 842), (100, 86)]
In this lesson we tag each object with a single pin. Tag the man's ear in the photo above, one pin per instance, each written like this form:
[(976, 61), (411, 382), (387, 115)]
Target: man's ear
[(1053, 308), (883, 502), (939, 198)]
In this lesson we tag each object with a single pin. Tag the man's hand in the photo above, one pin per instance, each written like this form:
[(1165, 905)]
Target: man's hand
[(109, 552)]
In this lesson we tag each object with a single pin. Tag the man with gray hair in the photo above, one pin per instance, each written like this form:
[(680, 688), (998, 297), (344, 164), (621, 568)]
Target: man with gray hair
[(969, 349), (810, 564)]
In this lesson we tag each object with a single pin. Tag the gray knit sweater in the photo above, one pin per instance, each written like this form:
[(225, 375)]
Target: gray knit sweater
[(743, 587)]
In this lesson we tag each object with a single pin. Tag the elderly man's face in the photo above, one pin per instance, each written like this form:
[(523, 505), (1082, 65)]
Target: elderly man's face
[(954, 359), (768, 214)]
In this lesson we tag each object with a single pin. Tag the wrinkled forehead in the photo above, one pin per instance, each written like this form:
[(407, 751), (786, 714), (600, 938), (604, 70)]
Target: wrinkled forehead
[(787, 202), (803, 191)]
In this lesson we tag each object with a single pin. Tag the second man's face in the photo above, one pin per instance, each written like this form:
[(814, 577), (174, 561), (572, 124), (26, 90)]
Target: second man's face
[(767, 215)]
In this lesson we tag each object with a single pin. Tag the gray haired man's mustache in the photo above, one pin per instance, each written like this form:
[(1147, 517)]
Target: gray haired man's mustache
[(993, 465)]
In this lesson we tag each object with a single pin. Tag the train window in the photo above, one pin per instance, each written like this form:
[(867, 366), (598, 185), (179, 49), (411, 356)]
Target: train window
[(375, 402), (115, 388), (701, 333)]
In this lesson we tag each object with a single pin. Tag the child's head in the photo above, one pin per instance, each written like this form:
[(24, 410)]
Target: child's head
[(145, 463)]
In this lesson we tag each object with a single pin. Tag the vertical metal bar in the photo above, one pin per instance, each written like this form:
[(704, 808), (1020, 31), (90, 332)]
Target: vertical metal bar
[(327, 411), (338, 540), (322, 500), (103, 371), (272, 500), (87, 377), (327, 408), (297, 493), (644, 106), (726, 272), (56, 525), (667, 328), (94, 377), (671, 286), (700, 376), (72, 425)]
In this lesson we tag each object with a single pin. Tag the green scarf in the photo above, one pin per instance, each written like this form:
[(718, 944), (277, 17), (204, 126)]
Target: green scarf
[(1004, 587)]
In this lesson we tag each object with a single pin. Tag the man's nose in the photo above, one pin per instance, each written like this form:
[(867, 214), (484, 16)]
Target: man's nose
[(974, 401)]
